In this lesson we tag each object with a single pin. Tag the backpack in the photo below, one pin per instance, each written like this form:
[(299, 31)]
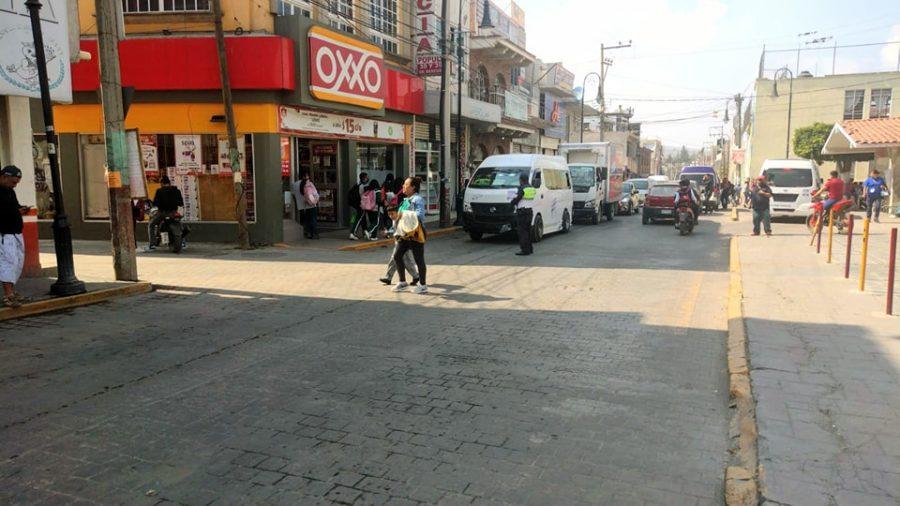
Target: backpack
[(353, 197), (367, 202)]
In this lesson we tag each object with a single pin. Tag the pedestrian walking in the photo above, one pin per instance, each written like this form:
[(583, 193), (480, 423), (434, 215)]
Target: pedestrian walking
[(874, 186), (747, 191), (760, 200), (411, 235), (12, 244), (306, 200), (726, 194), (408, 261), (524, 202), (354, 200)]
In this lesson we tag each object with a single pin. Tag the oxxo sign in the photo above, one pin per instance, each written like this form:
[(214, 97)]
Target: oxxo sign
[(345, 70)]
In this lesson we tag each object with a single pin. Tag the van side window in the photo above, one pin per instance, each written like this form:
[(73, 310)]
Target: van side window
[(568, 180), (536, 179)]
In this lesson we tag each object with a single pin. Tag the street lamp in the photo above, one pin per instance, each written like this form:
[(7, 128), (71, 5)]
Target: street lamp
[(66, 283), (583, 86), (779, 74)]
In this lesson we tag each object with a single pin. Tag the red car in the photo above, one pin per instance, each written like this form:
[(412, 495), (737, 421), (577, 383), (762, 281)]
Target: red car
[(660, 203)]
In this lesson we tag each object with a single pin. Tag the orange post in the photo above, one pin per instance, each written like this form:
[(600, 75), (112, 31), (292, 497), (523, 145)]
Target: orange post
[(830, 233), (892, 265), (865, 252), (849, 248)]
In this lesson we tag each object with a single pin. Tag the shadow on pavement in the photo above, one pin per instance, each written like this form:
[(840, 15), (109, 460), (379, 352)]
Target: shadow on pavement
[(194, 396)]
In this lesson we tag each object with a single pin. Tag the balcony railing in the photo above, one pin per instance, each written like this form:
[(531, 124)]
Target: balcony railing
[(513, 104)]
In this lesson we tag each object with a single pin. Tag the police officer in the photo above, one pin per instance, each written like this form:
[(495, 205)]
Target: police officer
[(524, 201)]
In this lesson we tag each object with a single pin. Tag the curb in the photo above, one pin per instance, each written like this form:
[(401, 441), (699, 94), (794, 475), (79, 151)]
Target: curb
[(84, 299), (741, 478), (386, 242)]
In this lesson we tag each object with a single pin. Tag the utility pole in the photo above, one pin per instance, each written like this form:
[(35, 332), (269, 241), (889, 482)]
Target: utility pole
[(739, 134), (460, 53), (240, 208), (66, 283), (120, 214), (603, 64), (444, 113)]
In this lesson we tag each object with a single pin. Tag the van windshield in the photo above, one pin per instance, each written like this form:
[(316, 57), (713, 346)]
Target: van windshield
[(790, 178), (582, 177), (696, 177), (498, 177)]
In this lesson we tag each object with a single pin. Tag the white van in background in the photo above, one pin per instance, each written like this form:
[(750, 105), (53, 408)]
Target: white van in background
[(486, 205), (793, 182)]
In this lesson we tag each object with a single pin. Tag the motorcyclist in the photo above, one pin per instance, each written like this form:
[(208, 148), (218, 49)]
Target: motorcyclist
[(687, 193), (167, 200), (706, 186)]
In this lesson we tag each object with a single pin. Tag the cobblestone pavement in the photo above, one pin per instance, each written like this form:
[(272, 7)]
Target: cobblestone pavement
[(824, 366), (592, 372)]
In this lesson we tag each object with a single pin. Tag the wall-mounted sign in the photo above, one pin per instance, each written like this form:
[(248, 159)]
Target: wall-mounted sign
[(516, 107), (345, 70), (428, 65), (295, 120), (187, 154), (18, 63)]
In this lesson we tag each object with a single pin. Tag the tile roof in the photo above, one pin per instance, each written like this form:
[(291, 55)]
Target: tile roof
[(873, 131)]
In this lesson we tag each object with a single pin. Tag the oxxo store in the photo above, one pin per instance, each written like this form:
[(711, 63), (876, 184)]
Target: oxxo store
[(334, 149)]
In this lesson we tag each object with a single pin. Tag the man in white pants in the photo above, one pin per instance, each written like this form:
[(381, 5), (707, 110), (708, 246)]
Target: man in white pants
[(12, 245)]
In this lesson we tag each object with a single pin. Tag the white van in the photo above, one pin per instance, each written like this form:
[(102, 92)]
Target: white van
[(793, 182), (486, 204)]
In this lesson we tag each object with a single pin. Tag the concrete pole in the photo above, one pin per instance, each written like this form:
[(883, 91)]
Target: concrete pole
[(444, 114), (243, 234), (738, 138), (120, 214), (16, 139)]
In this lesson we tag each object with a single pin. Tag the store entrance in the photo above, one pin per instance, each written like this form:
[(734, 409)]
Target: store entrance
[(320, 160), (428, 166)]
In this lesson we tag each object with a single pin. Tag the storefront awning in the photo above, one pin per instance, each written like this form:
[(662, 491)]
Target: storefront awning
[(863, 136)]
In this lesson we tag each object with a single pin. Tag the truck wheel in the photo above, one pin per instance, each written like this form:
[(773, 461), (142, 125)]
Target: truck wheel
[(595, 218), (610, 211), (476, 236), (537, 230)]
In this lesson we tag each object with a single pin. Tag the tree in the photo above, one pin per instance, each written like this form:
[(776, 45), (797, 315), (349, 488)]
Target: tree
[(809, 140), (683, 155)]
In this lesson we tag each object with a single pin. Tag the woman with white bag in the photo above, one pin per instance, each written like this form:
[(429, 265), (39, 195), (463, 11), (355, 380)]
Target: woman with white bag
[(306, 197), (410, 234)]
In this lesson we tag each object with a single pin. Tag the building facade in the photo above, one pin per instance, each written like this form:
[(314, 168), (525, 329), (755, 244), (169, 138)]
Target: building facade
[(829, 99), (299, 107)]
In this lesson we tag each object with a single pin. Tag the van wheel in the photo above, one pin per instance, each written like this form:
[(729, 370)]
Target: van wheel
[(566, 222), (537, 230), (476, 236)]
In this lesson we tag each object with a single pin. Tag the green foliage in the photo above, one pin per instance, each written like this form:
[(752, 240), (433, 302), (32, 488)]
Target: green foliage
[(809, 140)]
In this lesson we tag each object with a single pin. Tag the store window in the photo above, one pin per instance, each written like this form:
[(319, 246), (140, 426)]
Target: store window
[(384, 24), (853, 104), (198, 165), (152, 6), (880, 103), (376, 160)]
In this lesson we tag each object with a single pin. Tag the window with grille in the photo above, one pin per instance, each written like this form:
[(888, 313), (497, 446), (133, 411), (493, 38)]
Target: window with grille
[(152, 6), (853, 104), (384, 24), (478, 86), (291, 7), (880, 103), (340, 15)]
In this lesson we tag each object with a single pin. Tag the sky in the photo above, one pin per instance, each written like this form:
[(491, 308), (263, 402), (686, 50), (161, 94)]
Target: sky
[(703, 49)]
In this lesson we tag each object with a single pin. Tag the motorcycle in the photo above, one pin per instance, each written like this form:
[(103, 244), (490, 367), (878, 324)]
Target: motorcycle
[(171, 231), (841, 215), (684, 218)]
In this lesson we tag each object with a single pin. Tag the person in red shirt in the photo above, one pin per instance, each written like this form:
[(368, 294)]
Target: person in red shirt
[(835, 188)]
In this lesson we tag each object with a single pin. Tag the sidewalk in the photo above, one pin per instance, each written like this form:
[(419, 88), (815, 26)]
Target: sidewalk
[(825, 369)]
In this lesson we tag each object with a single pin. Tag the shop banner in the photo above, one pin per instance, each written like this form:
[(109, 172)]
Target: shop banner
[(189, 193), (345, 70), (150, 154), (285, 157), (136, 180), (516, 107), (294, 120), (18, 64), (187, 154)]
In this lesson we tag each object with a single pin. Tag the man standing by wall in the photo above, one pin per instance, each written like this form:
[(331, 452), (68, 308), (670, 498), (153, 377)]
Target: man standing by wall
[(12, 244)]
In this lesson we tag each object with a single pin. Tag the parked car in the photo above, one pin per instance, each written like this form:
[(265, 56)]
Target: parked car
[(660, 203), (629, 203), (696, 173), (642, 185), (486, 205)]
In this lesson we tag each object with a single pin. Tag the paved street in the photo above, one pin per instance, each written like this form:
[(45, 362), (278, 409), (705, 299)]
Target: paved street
[(292, 376)]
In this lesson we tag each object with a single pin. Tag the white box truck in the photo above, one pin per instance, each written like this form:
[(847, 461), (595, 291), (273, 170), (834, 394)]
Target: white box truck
[(596, 182)]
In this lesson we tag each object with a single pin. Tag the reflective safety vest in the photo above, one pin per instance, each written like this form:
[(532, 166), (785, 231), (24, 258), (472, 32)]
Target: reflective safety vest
[(529, 193)]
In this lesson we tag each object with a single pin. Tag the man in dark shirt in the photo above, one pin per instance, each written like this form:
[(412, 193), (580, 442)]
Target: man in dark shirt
[(12, 244), (760, 197), (167, 200), (523, 202)]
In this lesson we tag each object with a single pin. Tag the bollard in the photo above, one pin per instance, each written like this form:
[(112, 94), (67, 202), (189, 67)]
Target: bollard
[(892, 265), (819, 234), (849, 247), (830, 233), (734, 213), (862, 259)]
